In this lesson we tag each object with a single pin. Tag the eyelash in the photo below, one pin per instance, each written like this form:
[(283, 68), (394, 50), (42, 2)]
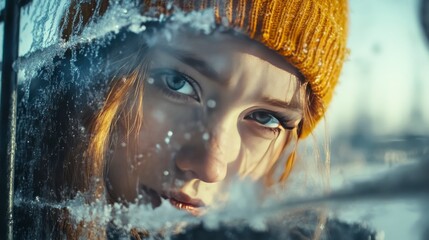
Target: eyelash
[(283, 121), (157, 73)]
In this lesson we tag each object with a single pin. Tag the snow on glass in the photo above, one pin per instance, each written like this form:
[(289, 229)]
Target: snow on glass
[(39, 58)]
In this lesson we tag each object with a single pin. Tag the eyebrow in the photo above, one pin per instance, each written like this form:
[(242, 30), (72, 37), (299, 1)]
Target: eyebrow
[(282, 104), (189, 59)]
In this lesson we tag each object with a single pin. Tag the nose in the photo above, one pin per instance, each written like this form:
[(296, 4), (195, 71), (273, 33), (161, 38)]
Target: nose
[(201, 163), (206, 157)]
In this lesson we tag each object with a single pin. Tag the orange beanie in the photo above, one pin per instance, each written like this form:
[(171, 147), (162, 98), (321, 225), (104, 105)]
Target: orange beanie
[(310, 34)]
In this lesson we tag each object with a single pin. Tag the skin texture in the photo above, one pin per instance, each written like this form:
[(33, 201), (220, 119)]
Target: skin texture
[(215, 108)]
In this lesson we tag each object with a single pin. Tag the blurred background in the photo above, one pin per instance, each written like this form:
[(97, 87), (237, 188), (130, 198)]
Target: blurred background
[(379, 117), (378, 121)]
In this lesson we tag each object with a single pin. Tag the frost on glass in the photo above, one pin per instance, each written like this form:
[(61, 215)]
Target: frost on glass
[(62, 86)]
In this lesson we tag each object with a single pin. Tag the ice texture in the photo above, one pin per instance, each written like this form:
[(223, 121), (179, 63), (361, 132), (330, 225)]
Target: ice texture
[(46, 94)]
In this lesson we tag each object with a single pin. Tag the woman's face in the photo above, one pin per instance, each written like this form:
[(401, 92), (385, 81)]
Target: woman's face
[(215, 107)]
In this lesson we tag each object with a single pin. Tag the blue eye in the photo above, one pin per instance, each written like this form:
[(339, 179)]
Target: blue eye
[(179, 84), (264, 118), (175, 83)]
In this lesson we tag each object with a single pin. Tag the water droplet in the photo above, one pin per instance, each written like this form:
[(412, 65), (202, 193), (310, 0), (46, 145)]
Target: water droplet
[(206, 136), (140, 156), (211, 103), (123, 144), (167, 140), (159, 116), (187, 136), (150, 80), (170, 133), (158, 146), (166, 173), (178, 183)]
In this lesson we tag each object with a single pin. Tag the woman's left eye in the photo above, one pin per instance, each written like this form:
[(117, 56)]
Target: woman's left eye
[(264, 118)]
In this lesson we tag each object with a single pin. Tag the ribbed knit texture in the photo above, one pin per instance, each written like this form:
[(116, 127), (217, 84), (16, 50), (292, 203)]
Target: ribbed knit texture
[(310, 34)]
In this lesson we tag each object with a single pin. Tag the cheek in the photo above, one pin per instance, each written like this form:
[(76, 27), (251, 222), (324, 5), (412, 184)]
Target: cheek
[(259, 154), (166, 128), (167, 125), (146, 159)]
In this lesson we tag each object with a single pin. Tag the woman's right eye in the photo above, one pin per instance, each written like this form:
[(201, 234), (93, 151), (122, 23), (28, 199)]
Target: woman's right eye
[(176, 82)]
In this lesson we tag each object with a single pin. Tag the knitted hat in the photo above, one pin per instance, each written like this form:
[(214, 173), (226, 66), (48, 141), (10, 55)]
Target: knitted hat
[(310, 34)]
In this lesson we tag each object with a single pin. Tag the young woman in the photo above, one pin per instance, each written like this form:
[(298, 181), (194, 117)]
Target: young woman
[(199, 94)]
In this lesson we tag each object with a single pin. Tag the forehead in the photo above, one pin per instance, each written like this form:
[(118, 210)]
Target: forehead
[(238, 62), (221, 46)]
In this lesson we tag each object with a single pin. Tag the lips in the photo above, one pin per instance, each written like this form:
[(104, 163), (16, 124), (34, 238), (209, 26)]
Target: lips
[(183, 202), (178, 200)]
